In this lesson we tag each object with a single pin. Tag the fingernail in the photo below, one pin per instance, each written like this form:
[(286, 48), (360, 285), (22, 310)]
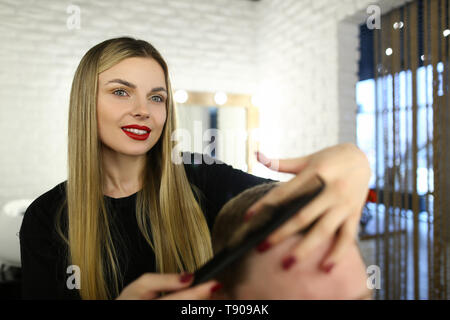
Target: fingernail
[(216, 287), (249, 215), (327, 268), (288, 262), (186, 277), (263, 246)]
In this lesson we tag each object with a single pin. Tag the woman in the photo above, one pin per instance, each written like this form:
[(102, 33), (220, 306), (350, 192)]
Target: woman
[(129, 220)]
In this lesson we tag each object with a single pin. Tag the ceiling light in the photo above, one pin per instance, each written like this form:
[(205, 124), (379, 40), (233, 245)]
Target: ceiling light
[(181, 96), (220, 98), (398, 25)]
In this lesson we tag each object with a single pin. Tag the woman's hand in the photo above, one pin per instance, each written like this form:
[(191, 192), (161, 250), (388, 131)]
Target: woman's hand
[(149, 286), (346, 172)]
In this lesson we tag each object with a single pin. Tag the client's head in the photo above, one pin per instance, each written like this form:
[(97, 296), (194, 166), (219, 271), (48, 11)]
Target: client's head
[(260, 276)]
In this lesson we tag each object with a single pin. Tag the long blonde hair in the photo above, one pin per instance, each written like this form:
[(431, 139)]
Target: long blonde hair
[(166, 209)]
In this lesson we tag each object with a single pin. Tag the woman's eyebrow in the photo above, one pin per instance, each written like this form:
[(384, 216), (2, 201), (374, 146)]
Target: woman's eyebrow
[(133, 86)]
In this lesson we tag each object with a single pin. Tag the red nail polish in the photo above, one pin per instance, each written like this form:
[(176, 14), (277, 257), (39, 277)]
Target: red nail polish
[(186, 277), (249, 215), (263, 246), (288, 262), (328, 267), (216, 287)]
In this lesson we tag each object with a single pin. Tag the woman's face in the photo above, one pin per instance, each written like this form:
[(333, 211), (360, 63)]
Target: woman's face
[(133, 92)]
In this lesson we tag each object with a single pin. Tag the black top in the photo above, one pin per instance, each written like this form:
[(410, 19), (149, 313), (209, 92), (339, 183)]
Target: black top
[(43, 253)]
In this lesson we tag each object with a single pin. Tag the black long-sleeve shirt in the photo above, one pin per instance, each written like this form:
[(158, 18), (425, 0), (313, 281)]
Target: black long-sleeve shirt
[(43, 253)]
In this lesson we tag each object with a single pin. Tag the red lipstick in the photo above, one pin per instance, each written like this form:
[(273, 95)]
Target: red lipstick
[(136, 136), (135, 126)]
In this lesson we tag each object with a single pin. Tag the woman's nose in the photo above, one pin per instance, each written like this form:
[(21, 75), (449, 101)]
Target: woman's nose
[(141, 108)]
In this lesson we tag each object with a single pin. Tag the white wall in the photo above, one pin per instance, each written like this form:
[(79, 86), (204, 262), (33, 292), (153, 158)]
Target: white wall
[(229, 45), (308, 53), (208, 45)]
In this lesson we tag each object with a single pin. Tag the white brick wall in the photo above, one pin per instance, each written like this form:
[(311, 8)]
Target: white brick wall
[(309, 51), (229, 45)]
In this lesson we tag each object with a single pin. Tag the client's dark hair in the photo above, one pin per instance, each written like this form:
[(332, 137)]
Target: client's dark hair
[(230, 228)]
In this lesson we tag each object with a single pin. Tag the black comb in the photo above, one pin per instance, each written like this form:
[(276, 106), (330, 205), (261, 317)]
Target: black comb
[(230, 254)]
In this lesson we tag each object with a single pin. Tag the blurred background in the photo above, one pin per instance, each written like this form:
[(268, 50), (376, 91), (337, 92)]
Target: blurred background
[(287, 77)]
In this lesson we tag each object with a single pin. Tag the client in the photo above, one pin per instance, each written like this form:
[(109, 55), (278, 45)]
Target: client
[(259, 275)]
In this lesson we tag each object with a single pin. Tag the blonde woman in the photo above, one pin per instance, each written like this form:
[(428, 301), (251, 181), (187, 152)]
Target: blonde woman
[(131, 221)]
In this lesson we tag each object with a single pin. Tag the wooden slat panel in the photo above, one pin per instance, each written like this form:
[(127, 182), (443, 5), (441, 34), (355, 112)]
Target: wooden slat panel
[(378, 113), (395, 71), (441, 116), (404, 187), (446, 187), (388, 188), (392, 250), (427, 61), (435, 52), (414, 54), (407, 66)]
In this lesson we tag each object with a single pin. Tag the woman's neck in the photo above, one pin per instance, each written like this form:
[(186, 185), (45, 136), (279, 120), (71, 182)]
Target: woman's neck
[(121, 173)]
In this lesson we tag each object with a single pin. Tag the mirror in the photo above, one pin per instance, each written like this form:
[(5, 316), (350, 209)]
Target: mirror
[(225, 132)]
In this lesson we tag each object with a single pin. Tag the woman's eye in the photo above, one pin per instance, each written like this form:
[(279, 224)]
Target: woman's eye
[(123, 93), (160, 99), (119, 90)]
